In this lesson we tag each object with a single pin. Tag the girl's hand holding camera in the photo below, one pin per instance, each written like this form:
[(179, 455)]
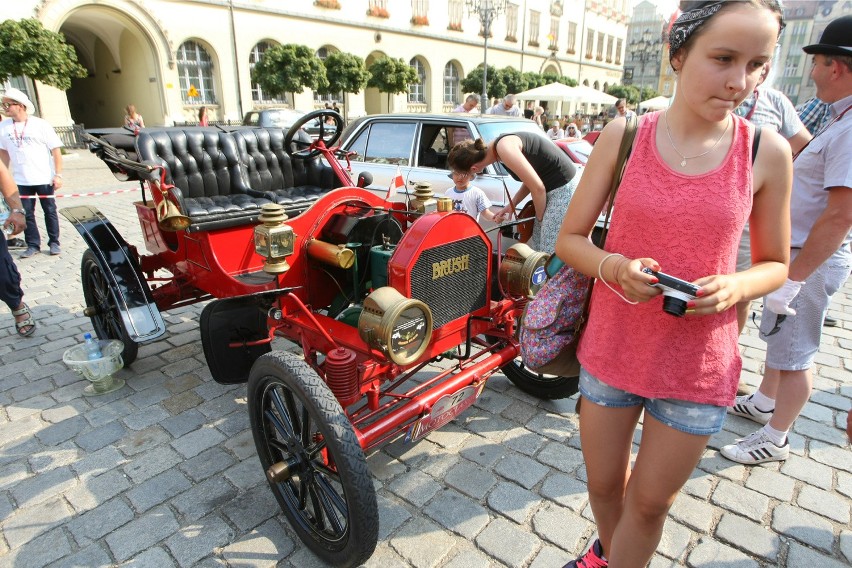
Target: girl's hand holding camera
[(637, 285)]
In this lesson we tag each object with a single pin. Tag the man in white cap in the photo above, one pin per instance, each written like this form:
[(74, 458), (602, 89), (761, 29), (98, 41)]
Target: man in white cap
[(30, 146), (820, 259)]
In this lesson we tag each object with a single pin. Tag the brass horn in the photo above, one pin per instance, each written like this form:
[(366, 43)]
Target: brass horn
[(169, 217)]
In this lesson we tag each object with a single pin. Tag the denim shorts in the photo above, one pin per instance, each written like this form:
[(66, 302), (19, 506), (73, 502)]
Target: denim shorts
[(682, 415)]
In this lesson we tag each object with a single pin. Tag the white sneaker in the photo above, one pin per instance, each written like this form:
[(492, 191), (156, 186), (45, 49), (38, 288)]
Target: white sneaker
[(756, 448), (743, 406)]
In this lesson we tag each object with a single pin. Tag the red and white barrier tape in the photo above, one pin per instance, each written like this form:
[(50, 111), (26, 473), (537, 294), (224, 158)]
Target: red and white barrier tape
[(93, 194)]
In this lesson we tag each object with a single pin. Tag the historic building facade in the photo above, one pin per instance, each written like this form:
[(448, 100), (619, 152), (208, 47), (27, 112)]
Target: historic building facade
[(170, 57)]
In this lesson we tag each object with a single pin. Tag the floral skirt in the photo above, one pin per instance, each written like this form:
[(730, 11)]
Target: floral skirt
[(546, 231)]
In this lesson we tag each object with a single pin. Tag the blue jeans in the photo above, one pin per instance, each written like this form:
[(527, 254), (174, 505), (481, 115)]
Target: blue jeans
[(51, 219)]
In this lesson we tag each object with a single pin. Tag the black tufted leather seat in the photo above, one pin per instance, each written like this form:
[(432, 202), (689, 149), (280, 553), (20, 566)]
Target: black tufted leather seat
[(270, 171), (204, 167)]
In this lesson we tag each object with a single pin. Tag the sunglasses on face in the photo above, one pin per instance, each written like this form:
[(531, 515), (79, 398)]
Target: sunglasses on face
[(7, 105)]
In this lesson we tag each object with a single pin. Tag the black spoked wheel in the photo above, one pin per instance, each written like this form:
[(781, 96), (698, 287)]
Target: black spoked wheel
[(539, 385), (102, 306), (313, 461)]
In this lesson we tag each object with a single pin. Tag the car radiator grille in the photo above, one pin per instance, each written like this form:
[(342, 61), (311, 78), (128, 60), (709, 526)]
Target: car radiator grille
[(454, 295)]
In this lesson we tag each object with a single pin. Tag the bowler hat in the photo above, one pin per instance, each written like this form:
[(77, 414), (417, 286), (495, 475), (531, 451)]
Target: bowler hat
[(835, 40), (19, 97)]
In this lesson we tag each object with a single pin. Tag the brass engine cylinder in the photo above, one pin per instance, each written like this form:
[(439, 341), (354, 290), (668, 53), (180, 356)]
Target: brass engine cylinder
[(334, 255)]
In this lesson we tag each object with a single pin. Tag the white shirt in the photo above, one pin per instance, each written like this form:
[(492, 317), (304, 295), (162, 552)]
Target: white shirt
[(29, 145), (471, 201)]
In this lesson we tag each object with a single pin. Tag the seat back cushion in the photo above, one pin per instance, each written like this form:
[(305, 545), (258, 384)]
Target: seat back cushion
[(201, 163)]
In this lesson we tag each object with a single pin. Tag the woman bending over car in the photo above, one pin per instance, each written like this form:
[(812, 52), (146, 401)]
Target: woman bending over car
[(543, 169), (690, 185)]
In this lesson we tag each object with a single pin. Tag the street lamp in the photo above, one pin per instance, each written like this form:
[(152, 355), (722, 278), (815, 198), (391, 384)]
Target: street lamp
[(646, 50), (487, 11)]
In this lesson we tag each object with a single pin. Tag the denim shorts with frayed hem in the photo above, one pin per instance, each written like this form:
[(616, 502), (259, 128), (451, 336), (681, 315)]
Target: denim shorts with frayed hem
[(682, 415)]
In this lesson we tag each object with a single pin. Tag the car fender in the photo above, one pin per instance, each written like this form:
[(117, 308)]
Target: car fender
[(139, 313)]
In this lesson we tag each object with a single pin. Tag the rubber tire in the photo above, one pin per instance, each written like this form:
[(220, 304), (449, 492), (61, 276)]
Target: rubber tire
[(97, 293), (540, 386), (283, 372)]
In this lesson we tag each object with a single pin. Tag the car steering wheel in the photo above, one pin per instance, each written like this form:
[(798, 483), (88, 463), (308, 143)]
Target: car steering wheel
[(328, 140)]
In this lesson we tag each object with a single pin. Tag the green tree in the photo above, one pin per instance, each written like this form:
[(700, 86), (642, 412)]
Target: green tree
[(346, 74), (289, 68), (549, 78), (26, 48), (513, 79), (533, 79), (392, 76), (629, 93), (494, 83), (648, 93)]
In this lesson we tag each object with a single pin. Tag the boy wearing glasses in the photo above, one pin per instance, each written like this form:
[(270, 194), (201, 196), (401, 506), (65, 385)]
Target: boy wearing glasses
[(30, 145), (468, 198)]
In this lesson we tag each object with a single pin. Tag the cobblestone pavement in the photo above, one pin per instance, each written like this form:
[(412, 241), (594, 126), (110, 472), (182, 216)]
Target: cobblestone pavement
[(163, 472)]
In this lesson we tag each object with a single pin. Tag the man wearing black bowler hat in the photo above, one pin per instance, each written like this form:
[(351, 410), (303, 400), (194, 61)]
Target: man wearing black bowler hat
[(820, 258)]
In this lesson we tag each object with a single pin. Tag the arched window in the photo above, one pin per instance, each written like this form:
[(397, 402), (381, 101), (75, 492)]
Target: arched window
[(417, 91), (451, 84), (195, 69), (257, 94), (597, 86), (322, 53)]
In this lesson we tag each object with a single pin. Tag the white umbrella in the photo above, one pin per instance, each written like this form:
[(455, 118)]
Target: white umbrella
[(657, 103), (551, 92), (586, 94)]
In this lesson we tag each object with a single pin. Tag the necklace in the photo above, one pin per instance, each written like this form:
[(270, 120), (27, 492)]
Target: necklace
[(685, 158)]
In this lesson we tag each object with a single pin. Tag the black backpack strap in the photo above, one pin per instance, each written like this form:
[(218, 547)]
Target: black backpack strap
[(755, 143)]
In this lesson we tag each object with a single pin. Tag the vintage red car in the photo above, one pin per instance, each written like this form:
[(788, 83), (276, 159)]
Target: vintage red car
[(285, 246)]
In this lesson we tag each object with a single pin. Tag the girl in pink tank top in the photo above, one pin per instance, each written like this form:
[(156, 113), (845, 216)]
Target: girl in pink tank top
[(688, 189)]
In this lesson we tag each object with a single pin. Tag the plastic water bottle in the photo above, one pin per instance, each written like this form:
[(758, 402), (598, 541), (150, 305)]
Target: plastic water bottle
[(93, 349), (4, 214)]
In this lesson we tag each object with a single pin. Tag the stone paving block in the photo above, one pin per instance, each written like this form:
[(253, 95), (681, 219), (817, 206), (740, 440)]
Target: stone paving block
[(806, 470), (550, 556), (846, 545), (423, 543), (66, 454), (470, 479), (837, 457), (153, 462), (204, 497), (142, 419), (392, 514), (43, 487), (101, 436), (105, 414), (450, 436), (699, 485), (522, 470), (694, 513), (94, 490), (523, 441), (560, 457), (482, 451), (40, 551), (183, 423), (803, 556), (553, 426), (561, 526), (158, 489), (55, 434), (844, 484), (466, 557), (508, 543), (220, 406), (193, 542), (713, 463), (493, 401), (195, 442), (100, 521), (824, 503), (181, 402), (207, 463), (709, 553), (384, 467), (88, 557), (819, 431), (457, 513), (246, 474), (675, 541), (741, 500), (513, 501), (519, 412), (438, 465), (261, 548), (142, 533), (417, 488), (487, 425), (566, 490), (771, 483), (412, 454), (241, 445), (32, 406), (753, 538), (803, 526), (138, 442), (29, 522), (252, 508), (151, 558), (232, 424)]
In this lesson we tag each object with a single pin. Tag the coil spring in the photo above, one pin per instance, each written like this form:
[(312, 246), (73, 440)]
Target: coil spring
[(341, 374)]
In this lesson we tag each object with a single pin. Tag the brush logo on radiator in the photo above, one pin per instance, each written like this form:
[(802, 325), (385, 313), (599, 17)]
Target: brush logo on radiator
[(450, 266)]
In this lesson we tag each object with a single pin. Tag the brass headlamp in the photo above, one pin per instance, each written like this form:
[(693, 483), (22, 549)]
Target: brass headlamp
[(522, 271), (273, 239), (397, 326)]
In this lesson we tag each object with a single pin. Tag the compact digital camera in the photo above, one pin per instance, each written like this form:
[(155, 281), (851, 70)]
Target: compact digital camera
[(676, 292)]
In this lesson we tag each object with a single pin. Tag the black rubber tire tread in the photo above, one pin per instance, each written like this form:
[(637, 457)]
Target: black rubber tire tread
[(540, 386), (114, 328), (291, 371)]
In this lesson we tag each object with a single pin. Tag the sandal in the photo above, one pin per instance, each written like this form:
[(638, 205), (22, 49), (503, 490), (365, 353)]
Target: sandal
[(29, 322)]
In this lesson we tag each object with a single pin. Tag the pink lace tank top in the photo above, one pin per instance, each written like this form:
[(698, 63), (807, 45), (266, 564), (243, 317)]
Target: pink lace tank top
[(691, 225)]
